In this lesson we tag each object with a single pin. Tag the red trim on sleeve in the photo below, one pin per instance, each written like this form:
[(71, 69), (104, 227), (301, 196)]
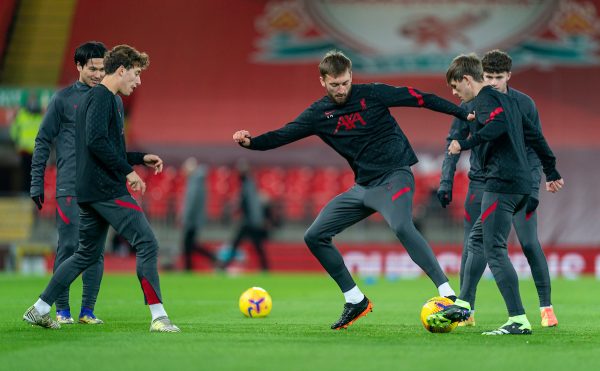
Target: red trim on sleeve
[(419, 97), (493, 114)]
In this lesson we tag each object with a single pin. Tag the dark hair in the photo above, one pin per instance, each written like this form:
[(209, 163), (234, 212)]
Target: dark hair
[(465, 65), (496, 61), (334, 63), (87, 51), (126, 56)]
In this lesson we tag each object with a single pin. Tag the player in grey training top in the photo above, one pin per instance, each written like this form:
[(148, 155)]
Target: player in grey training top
[(58, 130)]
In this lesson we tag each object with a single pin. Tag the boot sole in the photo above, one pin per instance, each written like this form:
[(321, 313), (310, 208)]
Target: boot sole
[(368, 309)]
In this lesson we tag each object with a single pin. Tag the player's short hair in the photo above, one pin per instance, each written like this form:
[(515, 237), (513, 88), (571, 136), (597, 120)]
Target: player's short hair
[(88, 50), (465, 64), (126, 56), (334, 63), (496, 61)]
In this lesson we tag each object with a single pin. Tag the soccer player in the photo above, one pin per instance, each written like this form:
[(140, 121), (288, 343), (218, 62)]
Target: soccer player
[(103, 167), (356, 122), (58, 129), (496, 72), (501, 133)]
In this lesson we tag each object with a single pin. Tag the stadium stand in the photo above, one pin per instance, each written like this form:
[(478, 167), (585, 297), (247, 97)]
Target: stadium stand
[(301, 190)]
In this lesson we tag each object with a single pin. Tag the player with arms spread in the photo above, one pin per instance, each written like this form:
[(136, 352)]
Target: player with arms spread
[(355, 120)]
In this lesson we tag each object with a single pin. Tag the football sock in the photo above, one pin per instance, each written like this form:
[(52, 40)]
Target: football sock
[(354, 295), (85, 311), (157, 310), (522, 319), (42, 307), (463, 304), (445, 290)]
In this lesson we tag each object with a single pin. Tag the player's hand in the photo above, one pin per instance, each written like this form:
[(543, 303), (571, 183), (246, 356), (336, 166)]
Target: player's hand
[(471, 116), (154, 162), (38, 200), (242, 137), (555, 185), (136, 183), (445, 197), (454, 148)]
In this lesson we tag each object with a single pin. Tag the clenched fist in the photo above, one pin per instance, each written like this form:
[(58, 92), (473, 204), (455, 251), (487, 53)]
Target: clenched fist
[(242, 137)]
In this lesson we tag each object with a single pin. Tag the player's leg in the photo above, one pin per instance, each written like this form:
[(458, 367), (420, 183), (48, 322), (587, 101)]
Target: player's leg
[(189, 239), (91, 276), (343, 211), (241, 234), (526, 228), (487, 241), (258, 237), (92, 237), (394, 201), (67, 223), (477, 263), (128, 219), (498, 210)]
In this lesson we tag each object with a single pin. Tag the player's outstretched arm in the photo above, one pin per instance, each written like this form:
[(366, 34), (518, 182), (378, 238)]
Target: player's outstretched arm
[(291, 132), (393, 96)]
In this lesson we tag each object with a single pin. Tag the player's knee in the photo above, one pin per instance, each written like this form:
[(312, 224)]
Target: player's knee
[(404, 229), (313, 237), (67, 249), (530, 248)]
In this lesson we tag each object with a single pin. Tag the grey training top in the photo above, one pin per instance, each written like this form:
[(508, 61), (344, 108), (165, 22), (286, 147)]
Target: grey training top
[(58, 128)]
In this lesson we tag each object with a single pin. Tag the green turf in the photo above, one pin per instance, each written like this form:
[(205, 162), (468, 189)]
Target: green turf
[(296, 336)]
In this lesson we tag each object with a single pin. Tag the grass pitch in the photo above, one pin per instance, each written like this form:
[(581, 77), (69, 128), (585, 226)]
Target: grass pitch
[(296, 335)]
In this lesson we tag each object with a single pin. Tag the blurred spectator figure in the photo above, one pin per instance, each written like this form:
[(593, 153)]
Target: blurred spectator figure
[(194, 211), (258, 217), (23, 131)]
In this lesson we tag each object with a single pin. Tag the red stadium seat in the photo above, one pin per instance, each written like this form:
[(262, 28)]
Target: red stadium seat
[(271, 181), (223, 187), (297, 191), (159, 192), (346, 180), (460, 189)]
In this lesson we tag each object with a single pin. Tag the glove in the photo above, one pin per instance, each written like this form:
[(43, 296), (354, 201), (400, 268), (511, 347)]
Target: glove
[(532, 204), (445, 196), (38, 200)]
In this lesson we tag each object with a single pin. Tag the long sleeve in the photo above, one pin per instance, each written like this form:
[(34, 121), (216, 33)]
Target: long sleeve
[(458, 130), (532, 113), (136, 158), (491, 115), (97, 139), (534, 161), (535, 139), (298, 129), (393, 96), (43, 144)]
